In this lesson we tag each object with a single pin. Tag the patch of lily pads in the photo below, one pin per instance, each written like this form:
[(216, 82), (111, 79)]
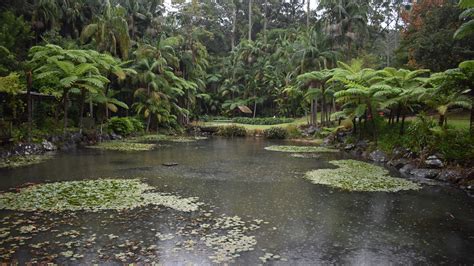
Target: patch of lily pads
[(161, 137), (23, 160), (355, 175), (92, 195), (123, 146), (300, 149)]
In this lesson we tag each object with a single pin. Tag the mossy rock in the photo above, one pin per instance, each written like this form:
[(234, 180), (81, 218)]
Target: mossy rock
[(355, 175), (23, 160), (299, 149), (92, 195)]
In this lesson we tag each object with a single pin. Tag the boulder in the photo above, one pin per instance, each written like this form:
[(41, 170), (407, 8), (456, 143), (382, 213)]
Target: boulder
[(48, 146), (362, 144), (450, 175), (424, 173), (349, 147), (399, 163), (406, 169), (114, 136), (378, 156), (434, 162)]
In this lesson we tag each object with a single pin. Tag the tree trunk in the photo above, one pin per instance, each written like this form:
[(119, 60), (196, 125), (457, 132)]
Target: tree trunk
[(148, 123), (316, 111), (307, 13), (29, 84), (402, 127), (441, 120), (250, 20), (311, 116), (234, 22), (65, 99), (265, 22), (81, 111)]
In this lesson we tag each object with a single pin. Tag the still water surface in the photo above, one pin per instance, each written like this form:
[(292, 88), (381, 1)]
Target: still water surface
[(308, 224)]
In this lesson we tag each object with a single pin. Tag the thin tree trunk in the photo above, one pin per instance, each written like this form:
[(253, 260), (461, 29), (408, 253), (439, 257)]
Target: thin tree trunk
[(65, 96), (148, 123), (402, 127), (307, 13), (29, 83), (81, 111), (311, 116), (316, 111), (234, 22), (250, 20), (441, 120), (265, 22)]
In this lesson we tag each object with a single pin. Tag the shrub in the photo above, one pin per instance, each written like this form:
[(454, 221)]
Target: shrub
[(275, 133), (293, 131), (120, 125), (138, 125), (262, 121), (232, 131)]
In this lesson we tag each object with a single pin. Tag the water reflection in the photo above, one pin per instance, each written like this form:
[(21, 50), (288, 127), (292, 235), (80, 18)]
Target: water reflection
[(307, 223)]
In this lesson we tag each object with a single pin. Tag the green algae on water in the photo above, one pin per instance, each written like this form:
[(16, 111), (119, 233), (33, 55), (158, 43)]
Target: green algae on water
[(355, 175), (23, 160), (92, 195), (123, 146), (297, 149)]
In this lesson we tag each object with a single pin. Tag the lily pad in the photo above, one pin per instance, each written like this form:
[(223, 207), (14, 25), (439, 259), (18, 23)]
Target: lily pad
[(355, 175), (92, 195), (123, 146), (297, 149), (20, 161), (161, 137)]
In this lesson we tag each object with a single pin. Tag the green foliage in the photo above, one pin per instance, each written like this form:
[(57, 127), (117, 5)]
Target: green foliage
[(293, 131), (125, 126), (11, 84), (262, 121), (15, 33), (232, 131), (275, 133)]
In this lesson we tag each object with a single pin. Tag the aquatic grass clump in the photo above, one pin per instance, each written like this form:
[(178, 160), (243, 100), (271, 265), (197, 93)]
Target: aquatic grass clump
[(297, 149), (355, 175), (123, 146), (92, 195), (24, 160)]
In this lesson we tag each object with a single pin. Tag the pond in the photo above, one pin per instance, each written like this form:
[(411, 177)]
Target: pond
[(257, 198)]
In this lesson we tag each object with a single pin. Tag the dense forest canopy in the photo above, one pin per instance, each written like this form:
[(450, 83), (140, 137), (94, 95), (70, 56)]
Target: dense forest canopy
[(169, 63)]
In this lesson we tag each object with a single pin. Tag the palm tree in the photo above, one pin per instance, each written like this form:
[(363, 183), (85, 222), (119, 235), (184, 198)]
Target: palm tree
[(316, 83), (404, 83), (441, 95), (74, 73), (363, 94), (467, 28), (110, 31)]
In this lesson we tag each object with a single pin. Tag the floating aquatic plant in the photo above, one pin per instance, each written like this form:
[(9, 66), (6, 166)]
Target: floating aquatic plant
[(296, 149), (20, 160), (161, 137), (355, 175), (92, 195), (123, 146)]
